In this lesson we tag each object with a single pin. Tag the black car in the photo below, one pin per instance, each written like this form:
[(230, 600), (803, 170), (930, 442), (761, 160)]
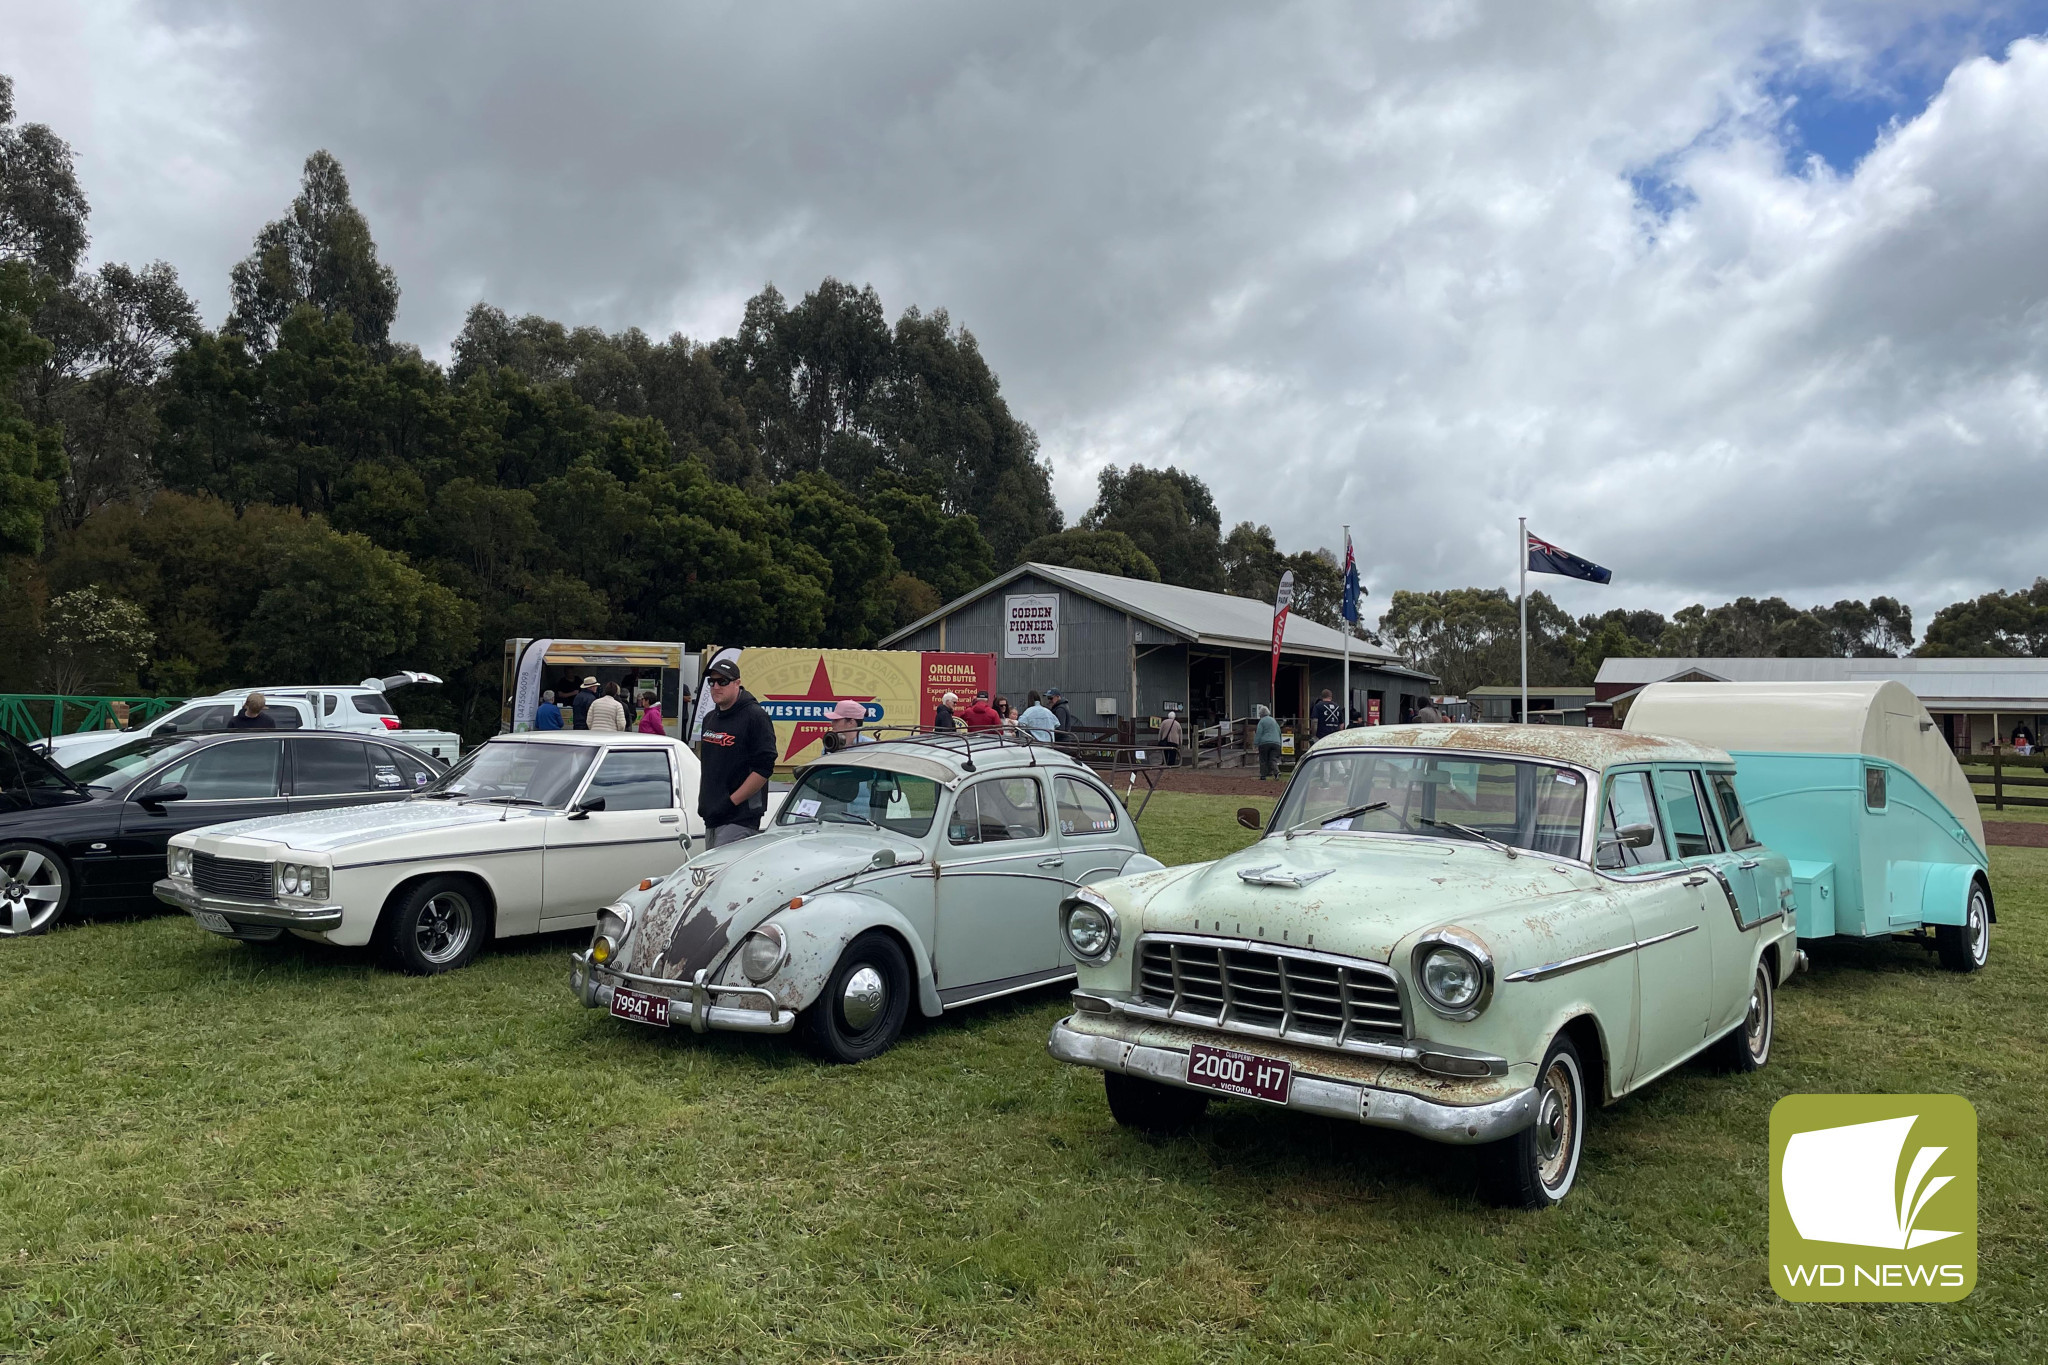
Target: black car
[(92, 837)]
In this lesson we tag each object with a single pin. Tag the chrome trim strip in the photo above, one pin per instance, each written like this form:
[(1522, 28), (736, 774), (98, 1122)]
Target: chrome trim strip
[(431, 857), (1005, 986), (1463, 1124), (1572, 964)]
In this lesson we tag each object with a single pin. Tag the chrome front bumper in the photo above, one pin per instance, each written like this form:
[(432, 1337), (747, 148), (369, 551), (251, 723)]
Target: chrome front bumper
[(1371, 1105), (689, 1001), (249, 914)]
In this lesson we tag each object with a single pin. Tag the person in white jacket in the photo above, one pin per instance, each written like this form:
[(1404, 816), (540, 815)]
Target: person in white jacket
[(607, 712)]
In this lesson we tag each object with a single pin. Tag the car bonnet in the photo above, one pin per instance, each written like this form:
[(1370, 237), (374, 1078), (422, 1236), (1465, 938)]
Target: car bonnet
[(706, 907), (1357, 895), (351, 827)]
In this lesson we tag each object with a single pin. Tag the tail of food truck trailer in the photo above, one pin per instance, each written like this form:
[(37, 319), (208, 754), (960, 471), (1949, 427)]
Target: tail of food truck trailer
[(1858, 788)]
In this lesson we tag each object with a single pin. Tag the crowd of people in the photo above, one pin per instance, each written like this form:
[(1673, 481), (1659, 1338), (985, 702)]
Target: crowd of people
[(591, 705)]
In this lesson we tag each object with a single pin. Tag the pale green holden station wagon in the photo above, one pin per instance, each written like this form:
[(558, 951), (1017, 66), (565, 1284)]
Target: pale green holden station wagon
[(1471, 933)]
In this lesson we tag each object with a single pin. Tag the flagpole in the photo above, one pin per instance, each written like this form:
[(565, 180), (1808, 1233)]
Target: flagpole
[(1347, 639), (1522, 542)]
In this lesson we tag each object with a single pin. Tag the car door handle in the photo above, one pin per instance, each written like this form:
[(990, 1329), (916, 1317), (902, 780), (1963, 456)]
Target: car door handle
[(1747, 863), (670, 819), (1052, 862), (1695, 881)]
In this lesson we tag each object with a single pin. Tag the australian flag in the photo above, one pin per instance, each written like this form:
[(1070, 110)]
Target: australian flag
[(1547, 558), (1352, 592)]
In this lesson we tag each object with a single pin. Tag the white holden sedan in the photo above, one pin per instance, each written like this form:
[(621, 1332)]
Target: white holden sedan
[(528, 833)]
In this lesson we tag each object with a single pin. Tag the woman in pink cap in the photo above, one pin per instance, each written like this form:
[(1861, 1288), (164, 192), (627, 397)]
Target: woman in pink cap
[(846, 721)]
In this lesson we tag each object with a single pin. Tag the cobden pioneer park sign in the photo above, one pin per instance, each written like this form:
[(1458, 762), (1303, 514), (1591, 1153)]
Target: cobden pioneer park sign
[(1031, 626)]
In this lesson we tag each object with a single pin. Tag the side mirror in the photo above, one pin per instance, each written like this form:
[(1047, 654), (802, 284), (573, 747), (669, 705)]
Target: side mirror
[(1631, 836), (884, 857), (175, 792), (582, 811), (1248, 816)]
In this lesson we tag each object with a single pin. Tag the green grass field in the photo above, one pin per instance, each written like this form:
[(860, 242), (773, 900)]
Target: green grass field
[(214, 1153)]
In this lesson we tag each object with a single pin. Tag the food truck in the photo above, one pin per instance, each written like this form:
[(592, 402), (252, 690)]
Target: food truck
[(1857, 786), (533, 666)]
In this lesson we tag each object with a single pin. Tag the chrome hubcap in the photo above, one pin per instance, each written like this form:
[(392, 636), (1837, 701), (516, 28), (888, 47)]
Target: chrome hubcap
[(1759, 1022), (865, 997), (1979, 938), (34, 886), (1556, 1116), (444, 927)]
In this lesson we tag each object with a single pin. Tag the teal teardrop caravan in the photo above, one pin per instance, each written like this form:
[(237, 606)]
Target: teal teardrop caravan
[(1858, 788)]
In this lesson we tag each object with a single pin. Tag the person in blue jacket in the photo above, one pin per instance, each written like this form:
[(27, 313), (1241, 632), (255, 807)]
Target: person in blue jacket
[(1267, 737), (547, 716)]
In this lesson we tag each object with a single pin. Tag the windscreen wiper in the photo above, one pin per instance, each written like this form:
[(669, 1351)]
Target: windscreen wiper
[(1469, 832), (1335, 817), (849, 815)]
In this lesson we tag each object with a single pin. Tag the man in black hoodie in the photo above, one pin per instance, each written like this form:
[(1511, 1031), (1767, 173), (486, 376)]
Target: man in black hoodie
[(736, 758)]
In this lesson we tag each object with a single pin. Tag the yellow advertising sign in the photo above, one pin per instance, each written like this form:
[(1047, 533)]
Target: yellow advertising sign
[(798, 687)]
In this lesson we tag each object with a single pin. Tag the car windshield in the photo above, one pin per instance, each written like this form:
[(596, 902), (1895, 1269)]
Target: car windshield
[(516, 772), (1537, 806), (835, 793), (125, 762)]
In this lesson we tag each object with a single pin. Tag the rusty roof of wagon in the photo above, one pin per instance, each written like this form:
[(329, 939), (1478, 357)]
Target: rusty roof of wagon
[(1588, 748)]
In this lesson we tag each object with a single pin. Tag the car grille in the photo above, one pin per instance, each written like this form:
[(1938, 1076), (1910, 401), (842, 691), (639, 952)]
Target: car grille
[(1297, 996), (231, 877)]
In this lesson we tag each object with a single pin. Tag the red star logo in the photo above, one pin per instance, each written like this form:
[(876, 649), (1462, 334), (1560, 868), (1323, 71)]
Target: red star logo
[(807, 732)]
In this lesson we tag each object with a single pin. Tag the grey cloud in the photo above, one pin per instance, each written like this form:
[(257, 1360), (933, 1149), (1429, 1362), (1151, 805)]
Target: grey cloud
[(1381, 264)]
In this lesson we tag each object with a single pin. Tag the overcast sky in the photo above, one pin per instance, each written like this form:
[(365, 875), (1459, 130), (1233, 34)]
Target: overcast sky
[(1731, 298)]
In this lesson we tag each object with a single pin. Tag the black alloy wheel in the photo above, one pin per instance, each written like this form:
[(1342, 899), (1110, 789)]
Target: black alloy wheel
[(1536, 1167), (861, 1011), (35, 887), (1152, 1106), (1962, 947), (436, 927)]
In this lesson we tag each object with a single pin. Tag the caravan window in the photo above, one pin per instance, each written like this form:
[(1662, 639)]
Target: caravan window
[(1873, 788)]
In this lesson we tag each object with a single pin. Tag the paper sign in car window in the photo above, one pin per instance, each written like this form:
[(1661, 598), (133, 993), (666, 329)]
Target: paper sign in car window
[(807, 810)]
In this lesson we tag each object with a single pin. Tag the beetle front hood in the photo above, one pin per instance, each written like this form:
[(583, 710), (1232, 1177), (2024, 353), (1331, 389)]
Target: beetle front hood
[(1359, 895), (709, 904)]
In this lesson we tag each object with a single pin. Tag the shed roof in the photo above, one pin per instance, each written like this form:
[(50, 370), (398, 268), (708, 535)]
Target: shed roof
[(1208, 618), (1596, 749), (1882, 719), (1963, 683)]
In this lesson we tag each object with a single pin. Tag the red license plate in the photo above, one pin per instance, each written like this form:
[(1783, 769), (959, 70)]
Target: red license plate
[(1239, 1073), (640, 1007)]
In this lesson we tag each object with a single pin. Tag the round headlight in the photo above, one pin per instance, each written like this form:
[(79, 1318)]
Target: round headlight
[(763, 954), (1451, 978), (602, 950), (288, 879), (1090, 926)]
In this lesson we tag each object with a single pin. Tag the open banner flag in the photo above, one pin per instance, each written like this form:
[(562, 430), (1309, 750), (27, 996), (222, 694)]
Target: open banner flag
[(1281, 602), (1547, 558)]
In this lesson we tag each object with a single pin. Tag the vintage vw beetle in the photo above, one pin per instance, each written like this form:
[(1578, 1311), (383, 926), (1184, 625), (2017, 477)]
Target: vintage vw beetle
[(1470, 933), (927, 868)]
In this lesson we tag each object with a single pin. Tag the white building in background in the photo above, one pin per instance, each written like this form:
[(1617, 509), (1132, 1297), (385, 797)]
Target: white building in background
[(1974, 701)]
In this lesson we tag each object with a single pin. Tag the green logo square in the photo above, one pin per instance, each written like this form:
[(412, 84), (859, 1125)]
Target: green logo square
[(1873, 1198)]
